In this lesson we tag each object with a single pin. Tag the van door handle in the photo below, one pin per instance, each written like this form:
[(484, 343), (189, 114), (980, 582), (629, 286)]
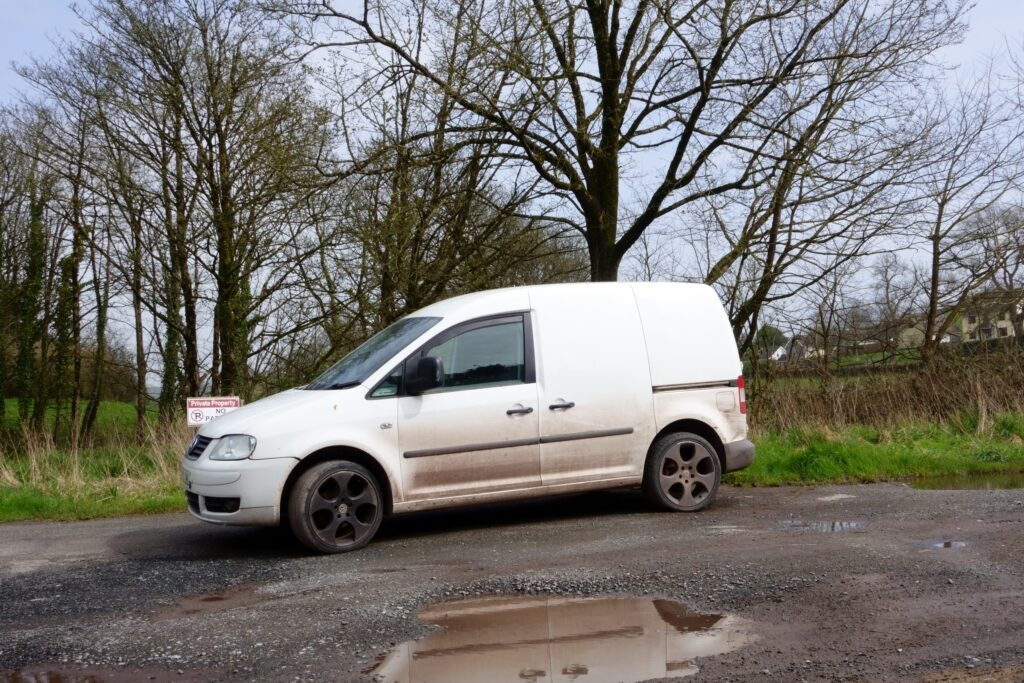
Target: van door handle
[(521, 410), (564, 405)]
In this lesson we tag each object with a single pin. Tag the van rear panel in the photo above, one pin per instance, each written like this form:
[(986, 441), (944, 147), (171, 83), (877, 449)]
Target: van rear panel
[(689, 340), (703, 405)]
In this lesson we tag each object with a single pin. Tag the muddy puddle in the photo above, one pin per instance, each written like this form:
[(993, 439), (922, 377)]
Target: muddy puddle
[(536, 639), (208, 603), (823, 527), (49, 676), (972, 481), (150, 674)]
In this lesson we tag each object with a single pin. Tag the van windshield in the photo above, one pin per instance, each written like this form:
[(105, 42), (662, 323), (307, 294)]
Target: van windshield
[(354, 368)]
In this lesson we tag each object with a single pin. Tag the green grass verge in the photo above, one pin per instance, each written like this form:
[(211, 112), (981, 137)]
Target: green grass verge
[(863, 454), (23, 503), (39, 481)]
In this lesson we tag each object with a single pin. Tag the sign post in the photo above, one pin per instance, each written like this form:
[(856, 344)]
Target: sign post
[(202, 410)]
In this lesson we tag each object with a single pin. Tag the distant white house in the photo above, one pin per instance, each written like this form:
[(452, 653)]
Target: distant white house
[(993, 314)]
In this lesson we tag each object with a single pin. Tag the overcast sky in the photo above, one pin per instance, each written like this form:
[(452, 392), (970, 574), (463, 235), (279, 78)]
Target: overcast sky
[(28, 26)]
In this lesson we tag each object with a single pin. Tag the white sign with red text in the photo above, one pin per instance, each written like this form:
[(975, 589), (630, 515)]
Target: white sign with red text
[(202, 410)]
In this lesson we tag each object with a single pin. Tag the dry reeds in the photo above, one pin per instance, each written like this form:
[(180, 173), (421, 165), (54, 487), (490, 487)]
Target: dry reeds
[(33, 460), (973, 388)]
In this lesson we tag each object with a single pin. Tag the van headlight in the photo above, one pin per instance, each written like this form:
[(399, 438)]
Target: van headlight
[(233, 447)]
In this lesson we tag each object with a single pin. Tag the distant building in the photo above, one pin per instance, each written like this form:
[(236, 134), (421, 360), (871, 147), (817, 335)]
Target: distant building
[(910, 337), (799, 348), (993, 314)]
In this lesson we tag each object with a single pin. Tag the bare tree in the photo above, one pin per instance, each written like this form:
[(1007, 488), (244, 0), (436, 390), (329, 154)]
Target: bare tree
[(583, 94), (12, 193), (896, 306), (834, 307), (215, 134), (435, 211), (976, 164), (838, 175)]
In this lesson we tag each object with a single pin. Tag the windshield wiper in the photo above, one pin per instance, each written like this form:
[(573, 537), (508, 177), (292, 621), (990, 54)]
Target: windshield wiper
[(342, 385)]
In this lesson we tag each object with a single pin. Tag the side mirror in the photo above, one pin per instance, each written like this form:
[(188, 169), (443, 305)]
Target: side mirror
[(429, 375)]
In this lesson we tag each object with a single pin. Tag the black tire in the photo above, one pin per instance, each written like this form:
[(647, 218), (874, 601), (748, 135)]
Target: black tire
[(682, 472), (335, 507)]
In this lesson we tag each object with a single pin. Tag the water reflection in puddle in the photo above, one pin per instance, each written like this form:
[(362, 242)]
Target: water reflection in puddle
[(948, 545), (539, 639), (971, 481), (822, 527)]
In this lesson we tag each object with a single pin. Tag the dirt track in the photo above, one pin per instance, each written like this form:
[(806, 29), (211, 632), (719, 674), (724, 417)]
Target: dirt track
[(840, 583)]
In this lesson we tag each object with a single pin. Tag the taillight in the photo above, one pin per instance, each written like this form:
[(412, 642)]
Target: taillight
[(743, 395)]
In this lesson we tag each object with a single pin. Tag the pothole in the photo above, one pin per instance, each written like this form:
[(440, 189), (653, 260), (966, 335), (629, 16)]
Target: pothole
[(823, 527), (43, 673), (538, 638), (208, 603)]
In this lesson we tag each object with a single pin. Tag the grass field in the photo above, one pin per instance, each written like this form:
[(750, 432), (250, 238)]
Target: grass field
[(112, 416), (41, 481), (856, 454)]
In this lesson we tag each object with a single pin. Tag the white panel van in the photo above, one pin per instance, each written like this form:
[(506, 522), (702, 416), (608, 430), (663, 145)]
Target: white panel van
[(499, 395)]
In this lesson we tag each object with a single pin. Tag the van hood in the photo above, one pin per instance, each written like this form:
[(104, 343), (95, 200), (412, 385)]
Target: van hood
[(269, 415)]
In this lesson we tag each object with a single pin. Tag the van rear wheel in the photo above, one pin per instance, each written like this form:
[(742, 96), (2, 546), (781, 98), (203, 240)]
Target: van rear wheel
[(682, 472), (335, 507)]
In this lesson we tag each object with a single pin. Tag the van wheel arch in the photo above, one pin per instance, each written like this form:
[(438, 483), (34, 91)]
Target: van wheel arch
[(701, 429), (329, 454)]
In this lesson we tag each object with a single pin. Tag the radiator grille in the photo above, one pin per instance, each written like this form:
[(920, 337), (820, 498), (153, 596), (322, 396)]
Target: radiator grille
[(197, 447)]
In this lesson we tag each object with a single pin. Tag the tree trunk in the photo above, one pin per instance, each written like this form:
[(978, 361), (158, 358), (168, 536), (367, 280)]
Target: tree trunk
[(232, 284), (928, 347), (28, 305), (602, 217), (169, 385), (78, 238), (179, 257), (102, 293), (140, 350)]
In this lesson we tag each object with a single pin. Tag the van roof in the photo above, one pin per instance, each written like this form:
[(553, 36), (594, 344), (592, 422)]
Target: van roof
[(518, 298)]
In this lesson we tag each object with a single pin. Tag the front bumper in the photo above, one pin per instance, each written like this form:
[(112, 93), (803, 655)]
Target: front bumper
[(245, 492), (738, 454)]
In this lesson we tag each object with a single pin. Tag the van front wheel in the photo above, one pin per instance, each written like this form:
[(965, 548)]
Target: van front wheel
[(335, 507), (682, 472)]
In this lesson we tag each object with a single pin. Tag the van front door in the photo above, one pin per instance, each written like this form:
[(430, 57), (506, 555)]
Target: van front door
[(479, 431)]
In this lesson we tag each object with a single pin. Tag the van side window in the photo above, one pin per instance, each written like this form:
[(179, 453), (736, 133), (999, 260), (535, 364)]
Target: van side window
[(482, 357), (390, 385)]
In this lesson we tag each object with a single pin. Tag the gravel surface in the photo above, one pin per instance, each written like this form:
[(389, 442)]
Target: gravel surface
[(860, 583)]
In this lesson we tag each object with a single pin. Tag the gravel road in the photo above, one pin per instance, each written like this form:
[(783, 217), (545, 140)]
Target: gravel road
[(857, 583)]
